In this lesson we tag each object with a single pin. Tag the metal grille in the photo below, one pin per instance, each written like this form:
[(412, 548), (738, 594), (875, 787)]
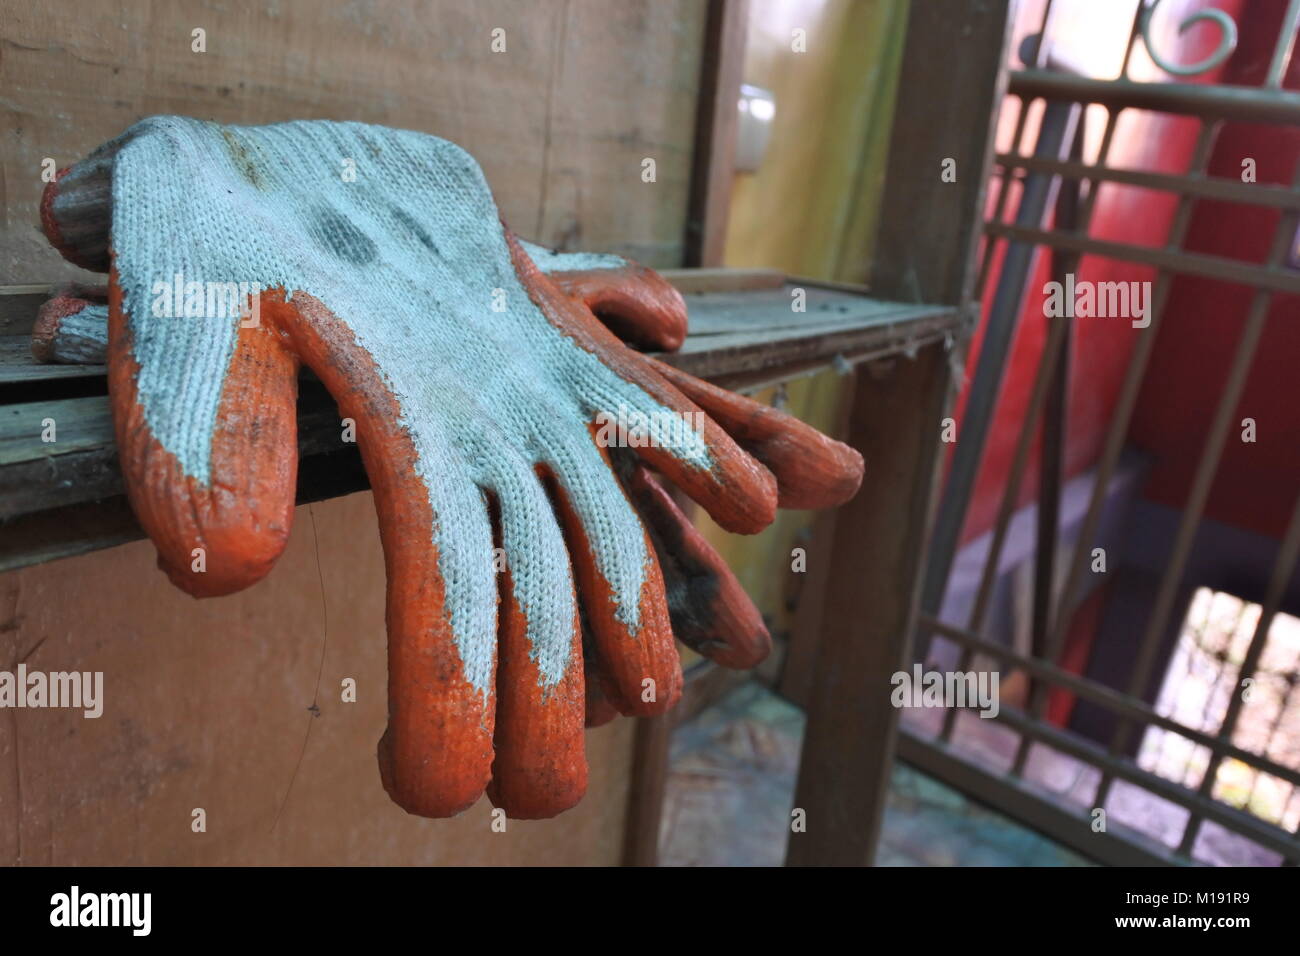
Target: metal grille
[(1055, 175)]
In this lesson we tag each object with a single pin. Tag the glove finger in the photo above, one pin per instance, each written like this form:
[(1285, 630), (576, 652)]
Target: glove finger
[(676, 438), (541, 766), (72, 328), (636, 304), (812, 470), (76, 210), (435, 757), (618, 578), (218, 524), (736, 490), (710, 611)]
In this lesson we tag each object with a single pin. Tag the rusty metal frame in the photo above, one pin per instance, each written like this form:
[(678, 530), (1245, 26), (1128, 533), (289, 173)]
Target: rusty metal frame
[(1211, 105)]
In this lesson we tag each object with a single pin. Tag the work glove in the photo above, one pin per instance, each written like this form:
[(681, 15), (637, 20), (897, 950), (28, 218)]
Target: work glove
[(708, 608), (476, 383)]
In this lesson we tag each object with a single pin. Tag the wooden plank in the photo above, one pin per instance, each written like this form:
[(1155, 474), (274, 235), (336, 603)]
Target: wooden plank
[(929, 228), (17, 366), (870, 610), (737, 328), (560, 121), (737, 355), (799, 666), (773, 310), (65, 532), (717, 123), (740, 338), (646, 789), (713, 279), (80, 465), (18, 305), (83, 454), (42, 431)]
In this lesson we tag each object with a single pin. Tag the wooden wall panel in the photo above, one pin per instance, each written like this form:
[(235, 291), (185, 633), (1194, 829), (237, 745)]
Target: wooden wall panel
[(207, 701), (205, 705), (560, 121)]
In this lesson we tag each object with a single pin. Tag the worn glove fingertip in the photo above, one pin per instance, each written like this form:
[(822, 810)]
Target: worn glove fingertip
[(75, 217), (453, 793), (221, 532), (70, 329), (710, 611), (636, 304), (540, 765)]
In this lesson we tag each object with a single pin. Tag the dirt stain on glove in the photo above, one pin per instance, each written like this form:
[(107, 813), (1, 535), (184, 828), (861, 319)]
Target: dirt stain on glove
[(338, 236)]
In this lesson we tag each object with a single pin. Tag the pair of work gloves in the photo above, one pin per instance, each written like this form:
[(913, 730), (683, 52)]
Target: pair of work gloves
[(477, 368)]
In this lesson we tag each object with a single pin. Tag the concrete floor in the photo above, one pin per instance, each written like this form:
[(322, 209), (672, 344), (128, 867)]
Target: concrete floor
[(731, 787)]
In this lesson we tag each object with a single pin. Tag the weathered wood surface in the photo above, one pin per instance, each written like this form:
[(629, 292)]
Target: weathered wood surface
[(716, 126), (734, 334), (561, 120)]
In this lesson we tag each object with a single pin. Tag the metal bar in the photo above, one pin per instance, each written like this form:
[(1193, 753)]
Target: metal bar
[(1068, 825), (1011, 491), (1056, 133), (1134, 32), (1124, 406), (1047, 522), (1056, 339), (1000, 204), (1285, 45), (1037, 400), (1051, 452), (1227, 190), (1272, 279), (1245, 104), (1108, 697), (1268, 104), (1194, 506), (1039, 60), (1283, 569), (1010, 499), (1273, 837)]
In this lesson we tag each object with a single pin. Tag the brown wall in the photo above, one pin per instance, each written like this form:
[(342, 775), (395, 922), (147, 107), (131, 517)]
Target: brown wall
[(205, 705), (205, 701), (560, 122)]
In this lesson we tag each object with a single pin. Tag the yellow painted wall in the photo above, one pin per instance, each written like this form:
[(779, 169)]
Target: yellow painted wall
[(810, 209)]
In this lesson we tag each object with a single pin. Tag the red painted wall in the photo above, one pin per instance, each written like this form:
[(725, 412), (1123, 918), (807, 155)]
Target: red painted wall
[(1101, 347), (1257, 483)]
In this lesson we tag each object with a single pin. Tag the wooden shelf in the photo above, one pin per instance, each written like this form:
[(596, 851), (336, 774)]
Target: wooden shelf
[(64, 498)]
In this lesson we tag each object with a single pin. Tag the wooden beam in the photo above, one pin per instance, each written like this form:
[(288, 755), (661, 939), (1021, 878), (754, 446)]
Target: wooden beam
[(645, 799), (717, 119), (950, 89), (797, 671), (870, 611), (923, 253)]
